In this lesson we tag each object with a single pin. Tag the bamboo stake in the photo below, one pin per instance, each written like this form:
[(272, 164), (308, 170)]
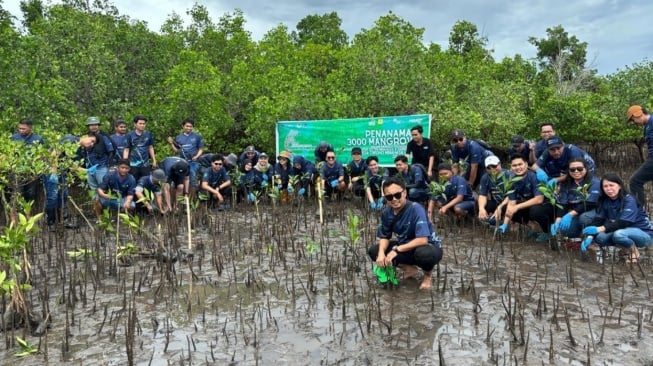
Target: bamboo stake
[(318, 188), (187, 201)]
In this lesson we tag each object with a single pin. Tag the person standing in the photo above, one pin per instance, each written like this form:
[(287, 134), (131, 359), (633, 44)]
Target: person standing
[(190, 146), (321, 151), (140, 149), (538, 147), (420, 150), (119, 137), (471, 154), (417, 246), (641, 117), (27, 138)]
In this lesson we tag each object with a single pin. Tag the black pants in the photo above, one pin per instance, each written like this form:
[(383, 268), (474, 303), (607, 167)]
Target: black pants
[(424, 257), (642, 175), (542, 214)]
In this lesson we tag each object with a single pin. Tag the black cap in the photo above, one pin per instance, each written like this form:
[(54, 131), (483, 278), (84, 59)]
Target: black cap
[(457, 133), (517, 140), (554, 141), (356, 150)]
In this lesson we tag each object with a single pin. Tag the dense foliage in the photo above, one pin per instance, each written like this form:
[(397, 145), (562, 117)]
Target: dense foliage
[(78, 58)]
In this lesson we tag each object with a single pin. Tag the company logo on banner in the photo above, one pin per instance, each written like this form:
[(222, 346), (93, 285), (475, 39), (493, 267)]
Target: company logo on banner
[(385, 137)]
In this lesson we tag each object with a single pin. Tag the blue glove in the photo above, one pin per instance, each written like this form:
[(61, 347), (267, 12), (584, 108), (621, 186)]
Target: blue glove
[(53, 178), (265, 177), (565, 223), (501, 229), (541, 175), (552, 182), (334, 183), (280, 186), (91, 169), (264, 184), (380, 202), (251, 197), (373, 205), (590, 230), (290, 189), (585, 243), (554, 229), (301, 191)]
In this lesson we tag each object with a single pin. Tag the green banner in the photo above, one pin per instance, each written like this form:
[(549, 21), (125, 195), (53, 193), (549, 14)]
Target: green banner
[(385, 137)]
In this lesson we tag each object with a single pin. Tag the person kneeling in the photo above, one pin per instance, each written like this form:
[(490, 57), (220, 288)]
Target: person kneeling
[(417, 245)]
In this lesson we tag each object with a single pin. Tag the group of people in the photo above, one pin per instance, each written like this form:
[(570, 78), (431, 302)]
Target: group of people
[(549, 185)]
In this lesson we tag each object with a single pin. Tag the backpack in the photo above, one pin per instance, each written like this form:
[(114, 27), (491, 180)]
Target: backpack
[(484, 144)]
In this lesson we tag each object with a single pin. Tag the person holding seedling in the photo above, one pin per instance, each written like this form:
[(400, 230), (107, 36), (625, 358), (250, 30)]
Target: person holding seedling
[(577, 199), (526, 202), (153, 184), (216, 183), (116, 190), (492, 192), (620, 220), (458, 198), (332, 175), (177, 172), (417, 246), (306, 170)]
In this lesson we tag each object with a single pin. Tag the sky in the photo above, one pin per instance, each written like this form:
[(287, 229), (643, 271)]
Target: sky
[(618, 32)]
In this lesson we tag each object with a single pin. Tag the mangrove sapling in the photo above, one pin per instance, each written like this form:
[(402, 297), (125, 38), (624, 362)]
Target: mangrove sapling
[(14, 245)]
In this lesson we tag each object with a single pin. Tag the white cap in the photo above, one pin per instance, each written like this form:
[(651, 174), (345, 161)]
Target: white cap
[(492, 160)]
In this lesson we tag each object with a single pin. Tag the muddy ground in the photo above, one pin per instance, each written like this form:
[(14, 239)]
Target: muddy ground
[(274, 286)]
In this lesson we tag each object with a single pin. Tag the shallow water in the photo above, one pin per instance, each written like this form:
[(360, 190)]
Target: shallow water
[(296, 292)]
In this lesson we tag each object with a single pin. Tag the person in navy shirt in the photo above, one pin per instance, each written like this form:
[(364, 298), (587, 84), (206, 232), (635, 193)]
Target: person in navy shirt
[(577, 199), (283, 169), (216, 184), (177, 172), (416, 245), (526, 202), (492, 190), (306, 170), (458, 197), (99, 157), (547, 130), (356, 169), (140, 148), (153, 184), (471, 153), (116, 190), (321, 151), (553, 163), (414, 177), (119, 137), (27, 138), (641, 117), (189, 145), (332, 175), (520, 146), (374, 177), (619, 220)]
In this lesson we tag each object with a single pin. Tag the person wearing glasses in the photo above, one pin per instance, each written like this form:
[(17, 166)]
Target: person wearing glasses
[(416, 245), (471, 154), (641, 117), (547, 130), (332, 175), (551, 166), (321, 151), (492, 191), (526, 203), (216, 184), (576, 200), (458, 198)]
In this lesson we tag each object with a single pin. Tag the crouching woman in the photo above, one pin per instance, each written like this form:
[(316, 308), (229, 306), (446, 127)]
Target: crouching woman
[(417, 245), (619, 220)]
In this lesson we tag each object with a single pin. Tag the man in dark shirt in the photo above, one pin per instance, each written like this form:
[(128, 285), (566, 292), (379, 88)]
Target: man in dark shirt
[(421, 150), (641, 117), (416, 245)]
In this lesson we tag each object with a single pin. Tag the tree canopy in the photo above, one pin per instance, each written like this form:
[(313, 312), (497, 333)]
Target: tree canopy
[(73, 59)]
